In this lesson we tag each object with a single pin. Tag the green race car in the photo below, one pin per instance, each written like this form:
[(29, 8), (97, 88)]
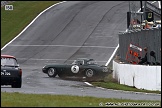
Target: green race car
[(80, 68)]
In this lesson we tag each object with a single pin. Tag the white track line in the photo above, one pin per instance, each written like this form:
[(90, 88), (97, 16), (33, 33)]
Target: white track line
[(63, 46), (101, 36), (30, 24), (88, 83), (112, 56), (106, 63), (50, 59)]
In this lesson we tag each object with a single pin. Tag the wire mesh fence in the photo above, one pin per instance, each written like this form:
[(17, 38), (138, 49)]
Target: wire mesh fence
[(150, 38)]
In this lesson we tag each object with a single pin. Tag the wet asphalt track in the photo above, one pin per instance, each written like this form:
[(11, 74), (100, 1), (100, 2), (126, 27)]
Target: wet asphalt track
[(74, 29)]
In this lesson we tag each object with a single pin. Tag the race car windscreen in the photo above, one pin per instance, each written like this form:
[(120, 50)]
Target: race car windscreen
[(92, 62), (81, 62), (8, 62)]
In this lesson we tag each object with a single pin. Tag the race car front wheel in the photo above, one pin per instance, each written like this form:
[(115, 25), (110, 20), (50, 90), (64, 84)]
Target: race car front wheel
[(89, 73), (52, 72)]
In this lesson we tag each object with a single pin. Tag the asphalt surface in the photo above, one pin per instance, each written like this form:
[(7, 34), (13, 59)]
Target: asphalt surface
[(73, 29)]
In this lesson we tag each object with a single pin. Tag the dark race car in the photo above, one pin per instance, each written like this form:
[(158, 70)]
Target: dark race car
[(11, 73), (81, 68)]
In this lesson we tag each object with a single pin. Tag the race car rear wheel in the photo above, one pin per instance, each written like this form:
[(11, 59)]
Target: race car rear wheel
[(89, 73), (52, 72)]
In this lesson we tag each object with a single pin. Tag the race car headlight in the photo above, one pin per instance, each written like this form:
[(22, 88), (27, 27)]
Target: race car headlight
[(105, 69), (44, 67)]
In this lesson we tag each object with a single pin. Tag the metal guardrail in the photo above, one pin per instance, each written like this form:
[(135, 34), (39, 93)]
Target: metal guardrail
[(153, 8)]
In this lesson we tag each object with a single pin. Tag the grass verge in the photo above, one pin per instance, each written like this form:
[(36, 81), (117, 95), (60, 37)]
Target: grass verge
[(14, 21), (46, 100), (111, 83)]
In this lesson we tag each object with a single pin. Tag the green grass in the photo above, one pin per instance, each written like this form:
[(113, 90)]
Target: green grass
[(13, 22), (46, 100), (111, 83)]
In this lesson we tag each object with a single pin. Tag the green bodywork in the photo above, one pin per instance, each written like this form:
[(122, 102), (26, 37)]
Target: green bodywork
[(78, 68)]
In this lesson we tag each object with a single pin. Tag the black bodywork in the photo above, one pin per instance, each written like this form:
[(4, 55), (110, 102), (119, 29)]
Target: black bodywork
[(11, 73), (84, 68)]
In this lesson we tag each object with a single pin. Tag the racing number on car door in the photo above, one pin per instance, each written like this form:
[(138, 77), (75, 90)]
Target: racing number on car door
[(75, 69)]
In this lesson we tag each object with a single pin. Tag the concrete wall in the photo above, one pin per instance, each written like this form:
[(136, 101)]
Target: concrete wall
[(139, 76)]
